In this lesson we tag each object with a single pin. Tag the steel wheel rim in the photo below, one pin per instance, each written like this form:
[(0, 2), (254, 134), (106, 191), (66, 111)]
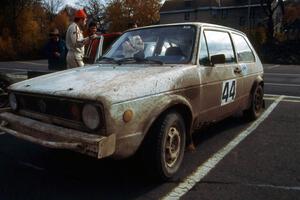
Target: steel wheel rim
[(172, 147)]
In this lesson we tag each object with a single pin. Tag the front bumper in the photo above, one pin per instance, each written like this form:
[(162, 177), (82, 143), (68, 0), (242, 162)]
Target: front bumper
[(57, 137)]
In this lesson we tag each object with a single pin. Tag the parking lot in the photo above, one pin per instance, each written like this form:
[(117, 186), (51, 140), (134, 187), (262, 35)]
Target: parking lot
[(233, 159)]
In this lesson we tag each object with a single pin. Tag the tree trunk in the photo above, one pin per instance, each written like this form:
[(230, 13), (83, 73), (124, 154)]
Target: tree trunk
[(270, 34)]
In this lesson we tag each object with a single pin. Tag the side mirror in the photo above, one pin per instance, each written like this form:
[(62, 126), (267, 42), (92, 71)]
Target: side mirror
[(217, 59)]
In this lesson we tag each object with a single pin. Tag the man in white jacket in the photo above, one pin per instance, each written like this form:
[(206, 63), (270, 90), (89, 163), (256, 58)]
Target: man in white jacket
[(75, 41)]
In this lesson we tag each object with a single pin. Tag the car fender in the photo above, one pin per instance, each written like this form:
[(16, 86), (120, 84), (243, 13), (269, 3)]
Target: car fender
[(258, 81), (169, 102)]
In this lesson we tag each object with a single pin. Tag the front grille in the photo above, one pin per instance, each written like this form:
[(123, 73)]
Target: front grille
[(57, 110), (56, 107)]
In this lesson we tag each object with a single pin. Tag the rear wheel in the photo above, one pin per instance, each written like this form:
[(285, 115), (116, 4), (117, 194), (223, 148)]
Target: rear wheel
[(3, 93), (257, 102), (164, 146)]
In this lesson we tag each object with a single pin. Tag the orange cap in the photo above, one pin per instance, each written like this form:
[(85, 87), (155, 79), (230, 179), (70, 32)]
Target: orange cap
[(80, 14)]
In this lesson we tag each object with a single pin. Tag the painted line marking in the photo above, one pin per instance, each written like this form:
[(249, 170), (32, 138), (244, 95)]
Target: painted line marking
[(279, 74), (270, 98), (284, 100), (285, 96), (273, 66), (206, 167), (291, 101), (282, 84), (275, 186), (32, 63), (29, 165), (13, 69), (17, 76)]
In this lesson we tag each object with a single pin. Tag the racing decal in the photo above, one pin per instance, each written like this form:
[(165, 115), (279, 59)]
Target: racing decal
[(228, 91), (244, 69)]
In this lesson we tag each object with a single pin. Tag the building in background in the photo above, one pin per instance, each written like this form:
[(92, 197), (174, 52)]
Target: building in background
[(237, 14)]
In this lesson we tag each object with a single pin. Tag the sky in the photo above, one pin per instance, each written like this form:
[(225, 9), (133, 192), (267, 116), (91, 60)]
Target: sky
[(70, 2)]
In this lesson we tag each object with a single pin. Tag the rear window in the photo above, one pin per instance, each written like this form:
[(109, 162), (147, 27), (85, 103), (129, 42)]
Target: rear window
[(244, 52)]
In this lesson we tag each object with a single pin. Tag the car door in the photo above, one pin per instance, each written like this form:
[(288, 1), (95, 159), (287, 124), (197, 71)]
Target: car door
[(246, 61), (221, 84), (93, 50)]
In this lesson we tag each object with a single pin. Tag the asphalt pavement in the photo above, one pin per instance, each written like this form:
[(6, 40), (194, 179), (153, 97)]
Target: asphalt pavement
[(234, 159), (20, 66)]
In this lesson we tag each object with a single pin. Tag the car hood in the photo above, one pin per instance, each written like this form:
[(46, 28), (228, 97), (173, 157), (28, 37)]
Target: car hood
[(112, 83)]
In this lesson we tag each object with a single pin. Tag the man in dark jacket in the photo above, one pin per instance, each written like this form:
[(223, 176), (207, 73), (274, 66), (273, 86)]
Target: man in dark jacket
[(56, 51)]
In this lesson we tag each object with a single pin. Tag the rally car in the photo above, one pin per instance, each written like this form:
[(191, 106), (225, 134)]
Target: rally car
[(147, 94)]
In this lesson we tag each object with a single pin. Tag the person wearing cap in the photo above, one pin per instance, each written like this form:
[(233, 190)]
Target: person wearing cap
[(75, 41), (56, 51)]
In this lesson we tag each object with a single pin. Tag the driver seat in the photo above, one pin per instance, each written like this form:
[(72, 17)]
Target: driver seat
[(174, 51)]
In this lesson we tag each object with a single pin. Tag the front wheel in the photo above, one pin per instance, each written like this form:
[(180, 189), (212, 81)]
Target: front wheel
[(257, 104), (164, 146)]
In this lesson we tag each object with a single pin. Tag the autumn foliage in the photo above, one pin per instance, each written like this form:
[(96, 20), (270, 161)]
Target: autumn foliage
[(25, 24), (292, 13), (25, 28), (120, 12)]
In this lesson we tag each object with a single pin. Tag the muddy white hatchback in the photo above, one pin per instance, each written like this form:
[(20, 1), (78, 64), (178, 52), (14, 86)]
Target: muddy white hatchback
[(147, 94)]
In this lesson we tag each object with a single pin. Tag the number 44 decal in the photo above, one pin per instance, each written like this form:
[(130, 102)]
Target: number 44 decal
[(228, 91)]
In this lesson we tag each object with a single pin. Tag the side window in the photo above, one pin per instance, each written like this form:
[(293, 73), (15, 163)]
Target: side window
[(203, 60), (244, 53), (219, 42)]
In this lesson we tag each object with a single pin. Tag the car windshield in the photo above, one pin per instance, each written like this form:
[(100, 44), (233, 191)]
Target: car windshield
[(172, 44)]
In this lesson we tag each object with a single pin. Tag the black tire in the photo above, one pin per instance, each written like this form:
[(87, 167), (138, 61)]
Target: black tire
[(257, 104), (3, 92), (164, 146)]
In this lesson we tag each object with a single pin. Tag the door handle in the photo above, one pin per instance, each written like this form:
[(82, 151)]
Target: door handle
[(237, 70)]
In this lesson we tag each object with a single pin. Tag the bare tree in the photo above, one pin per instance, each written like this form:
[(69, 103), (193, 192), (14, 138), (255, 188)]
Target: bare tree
[(52, 6), (269, 7), (95, 10)]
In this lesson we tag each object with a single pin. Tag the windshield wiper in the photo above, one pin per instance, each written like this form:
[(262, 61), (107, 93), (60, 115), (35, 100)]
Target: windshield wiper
[(139, 60), (152, 61), (109, 59), (123, 60)]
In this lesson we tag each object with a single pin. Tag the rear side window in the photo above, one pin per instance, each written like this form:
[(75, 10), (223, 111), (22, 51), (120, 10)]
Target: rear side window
[(244, 52), (219, 42)]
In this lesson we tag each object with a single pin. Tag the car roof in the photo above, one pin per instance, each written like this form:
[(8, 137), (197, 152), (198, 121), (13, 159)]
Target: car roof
[(199, 24)]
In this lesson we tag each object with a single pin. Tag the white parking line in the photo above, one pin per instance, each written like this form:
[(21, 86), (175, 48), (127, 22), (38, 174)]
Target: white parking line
[(32, 63), (27, 164), (13, 69), (206, 167), (291, 99), (273, 66), (282, 84), (280, 74), (283, 100), (285, 96)]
